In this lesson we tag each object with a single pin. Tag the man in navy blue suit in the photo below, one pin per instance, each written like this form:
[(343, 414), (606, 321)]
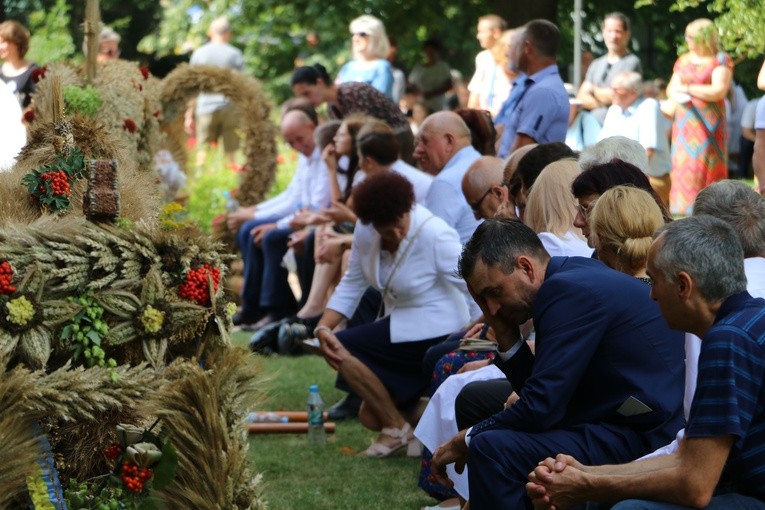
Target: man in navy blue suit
[(606, 380)]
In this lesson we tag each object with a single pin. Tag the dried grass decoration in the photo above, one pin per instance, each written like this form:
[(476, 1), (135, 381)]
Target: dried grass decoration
[(124, 94), (249, 101)]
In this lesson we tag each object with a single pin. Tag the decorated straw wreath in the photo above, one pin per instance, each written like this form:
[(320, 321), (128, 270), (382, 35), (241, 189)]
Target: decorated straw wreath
[(116, 368), (247, 97)]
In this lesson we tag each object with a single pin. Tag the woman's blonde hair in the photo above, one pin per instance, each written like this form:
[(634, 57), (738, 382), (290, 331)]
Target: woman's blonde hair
[(704, 34), (623, 223), (375, 31), (550, 206)]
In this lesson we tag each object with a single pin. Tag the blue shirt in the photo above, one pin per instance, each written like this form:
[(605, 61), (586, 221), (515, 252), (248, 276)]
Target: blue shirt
[(729, 397), (377, 73), (541, 112), (445, 198), (503, 116)]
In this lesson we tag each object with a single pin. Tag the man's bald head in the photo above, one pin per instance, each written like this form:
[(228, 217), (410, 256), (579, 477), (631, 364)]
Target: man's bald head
[(481, 184), (441, 136), (297, 129), (220, 30)]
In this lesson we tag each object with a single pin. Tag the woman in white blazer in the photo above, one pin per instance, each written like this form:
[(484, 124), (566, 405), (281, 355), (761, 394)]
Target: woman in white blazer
[(410, 255)]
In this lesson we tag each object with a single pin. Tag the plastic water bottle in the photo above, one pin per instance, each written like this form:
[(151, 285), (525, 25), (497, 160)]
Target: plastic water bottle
[(231, 203), (316, 434)]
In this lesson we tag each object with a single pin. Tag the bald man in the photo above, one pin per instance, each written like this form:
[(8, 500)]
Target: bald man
[(263, 229), (443, 149), (482, 187), (215, 117)]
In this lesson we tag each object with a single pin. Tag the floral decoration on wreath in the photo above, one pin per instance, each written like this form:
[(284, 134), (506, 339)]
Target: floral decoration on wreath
[(27, 321), (51, 185), (143, 461)]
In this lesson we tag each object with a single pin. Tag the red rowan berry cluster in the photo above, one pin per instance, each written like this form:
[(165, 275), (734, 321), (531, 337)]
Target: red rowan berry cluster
[(196, 288), (113, 452), (6, 278), (134, 477), (59, 182)]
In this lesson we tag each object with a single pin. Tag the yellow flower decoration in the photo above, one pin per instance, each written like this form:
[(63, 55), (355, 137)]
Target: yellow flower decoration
[(152, 319), (173, 216), (230, 310), (20, 311)]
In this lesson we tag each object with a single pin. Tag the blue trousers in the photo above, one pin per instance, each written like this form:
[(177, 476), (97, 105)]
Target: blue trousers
[(722, 502), (265, 288), (500, 460)]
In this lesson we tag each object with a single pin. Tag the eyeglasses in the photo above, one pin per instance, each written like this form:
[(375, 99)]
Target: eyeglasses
[(475, 206), (109, 53), (585, 209)]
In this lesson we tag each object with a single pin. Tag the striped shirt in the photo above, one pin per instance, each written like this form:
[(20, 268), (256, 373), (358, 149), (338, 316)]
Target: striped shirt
[(730, 392)]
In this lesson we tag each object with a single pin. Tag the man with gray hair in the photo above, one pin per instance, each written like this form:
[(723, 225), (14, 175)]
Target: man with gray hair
[(640, 119), (108, 45), (215, 117), (699, 282), (614, 147)]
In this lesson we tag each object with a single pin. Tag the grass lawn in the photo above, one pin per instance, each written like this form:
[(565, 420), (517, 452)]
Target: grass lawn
[(296, 477)]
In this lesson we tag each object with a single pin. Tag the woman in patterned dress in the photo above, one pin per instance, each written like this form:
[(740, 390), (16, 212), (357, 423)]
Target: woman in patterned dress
[(699, 83)]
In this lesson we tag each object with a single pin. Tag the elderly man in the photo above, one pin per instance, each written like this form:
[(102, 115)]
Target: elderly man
[(700, 284), (606, 377), (483, 188), (264, 229), (540, 113), (443, 149), (595, 91), (640, 119), (215, 117)]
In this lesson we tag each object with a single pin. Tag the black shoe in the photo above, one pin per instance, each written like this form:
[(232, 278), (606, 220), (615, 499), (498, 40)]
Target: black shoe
[(240, 319), (347, 407), (265, 340), (291, 336)]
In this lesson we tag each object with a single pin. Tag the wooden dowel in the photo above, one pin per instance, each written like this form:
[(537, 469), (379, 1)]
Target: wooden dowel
[(285, 428), (293, 416)]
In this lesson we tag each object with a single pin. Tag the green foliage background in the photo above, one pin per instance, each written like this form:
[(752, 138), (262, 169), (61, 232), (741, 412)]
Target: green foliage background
[(272, 33)]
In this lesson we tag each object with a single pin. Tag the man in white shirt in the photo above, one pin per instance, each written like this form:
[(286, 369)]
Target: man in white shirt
[(264, 229), (489, 86), (640, 119), (443, 149)]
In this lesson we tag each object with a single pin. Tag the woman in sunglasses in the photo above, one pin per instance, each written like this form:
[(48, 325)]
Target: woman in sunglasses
[(369, 45)]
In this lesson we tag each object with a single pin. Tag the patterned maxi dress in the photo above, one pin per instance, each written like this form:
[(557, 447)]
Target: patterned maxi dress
[(699, 137)]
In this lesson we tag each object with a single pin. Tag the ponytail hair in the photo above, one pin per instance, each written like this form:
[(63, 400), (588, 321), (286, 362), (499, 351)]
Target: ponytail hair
[(310, 75)]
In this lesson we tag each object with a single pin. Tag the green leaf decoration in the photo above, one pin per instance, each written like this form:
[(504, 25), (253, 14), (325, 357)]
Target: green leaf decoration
[(164, 471)]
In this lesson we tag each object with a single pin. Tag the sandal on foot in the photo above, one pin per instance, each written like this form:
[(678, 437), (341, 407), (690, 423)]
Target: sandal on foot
[(380, 450), (414, 448)]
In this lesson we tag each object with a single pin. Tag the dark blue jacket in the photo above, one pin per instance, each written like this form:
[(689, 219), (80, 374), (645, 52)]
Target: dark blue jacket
[(600, 342)]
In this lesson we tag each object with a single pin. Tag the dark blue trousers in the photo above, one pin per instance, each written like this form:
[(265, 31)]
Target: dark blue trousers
[(500, 460), (265, 286)]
